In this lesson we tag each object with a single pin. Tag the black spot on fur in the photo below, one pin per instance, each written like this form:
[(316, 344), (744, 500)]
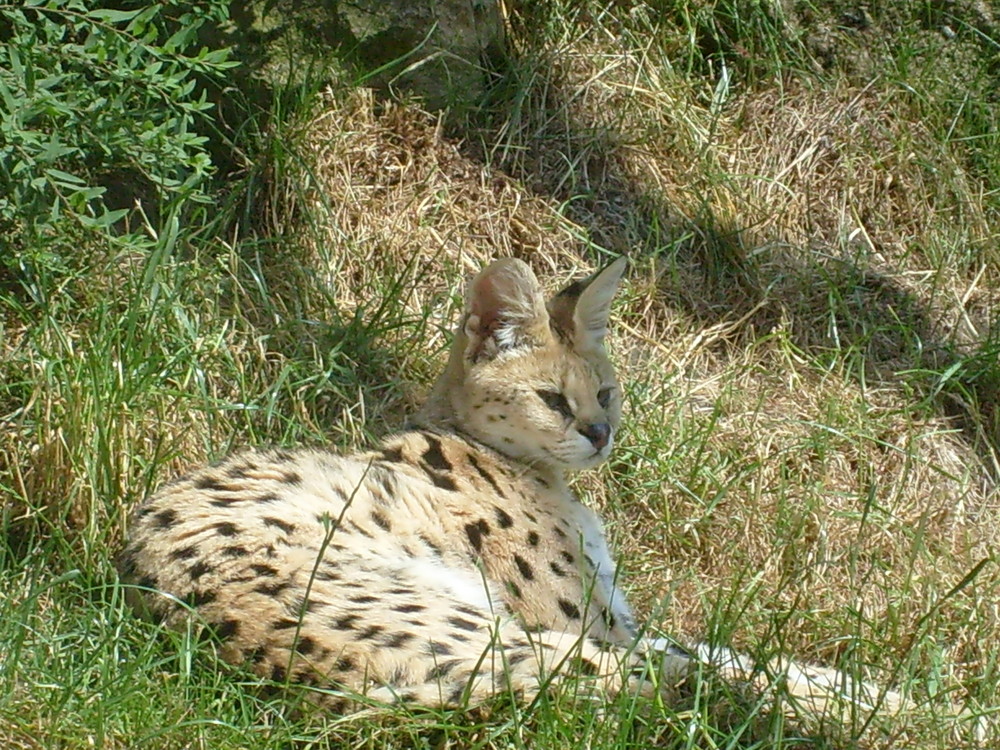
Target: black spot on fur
[(585, 666), (165, 518), (473, 461), (409, 608), (225, 528), (434, 457), (439, 649), (184, 553), (457, 695), (363, 599), (569, 609), (465, 609), (147, 582), (503, 518), (235, 551), (209, 483), (370, 632), (257, 655), (305, 645), (226, 629), (271, 589), (385, 480), (397, 640), (346, 622), (559, 532), (394, 455), (127, 564), (358, 530), (441, 670), (197, 599), (514, 589), (199, 569), (264, 570), (269, 497), (524, 568), (344, 664), (530, 516), (291, 477), (288, 528), (461, 622), (435, 548), (476, 531), (533, 538), (381, 521), (284, 624), (517, 657), (225, 502), (278, 673), (557, 570), (445, 483), (567, 556)]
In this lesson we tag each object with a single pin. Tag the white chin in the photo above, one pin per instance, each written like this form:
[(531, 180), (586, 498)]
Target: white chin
[(589, 460)]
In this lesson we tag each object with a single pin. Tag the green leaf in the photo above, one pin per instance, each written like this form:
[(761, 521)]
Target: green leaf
[(108, 15), (54, 149), (103, 220), (9, 101), (64, 178)]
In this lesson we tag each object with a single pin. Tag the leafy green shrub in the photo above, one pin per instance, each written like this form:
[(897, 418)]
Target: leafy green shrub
[(97, 98)]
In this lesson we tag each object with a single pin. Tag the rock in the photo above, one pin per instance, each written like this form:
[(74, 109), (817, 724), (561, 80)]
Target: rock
[(443, 51)]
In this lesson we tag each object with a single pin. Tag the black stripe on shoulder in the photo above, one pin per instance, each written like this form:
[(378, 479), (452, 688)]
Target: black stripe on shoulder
[(487, 477), (433, 456), (392, 455)]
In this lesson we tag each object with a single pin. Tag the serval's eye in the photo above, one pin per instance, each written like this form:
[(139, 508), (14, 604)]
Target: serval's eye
[(604, 397), (557, 402)]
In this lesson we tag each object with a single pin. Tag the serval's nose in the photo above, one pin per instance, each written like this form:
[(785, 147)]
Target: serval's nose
[(598, 434)]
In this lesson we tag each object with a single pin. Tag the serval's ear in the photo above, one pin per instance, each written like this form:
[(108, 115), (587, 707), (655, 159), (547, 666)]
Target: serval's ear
[(504, 311), (580, 311)]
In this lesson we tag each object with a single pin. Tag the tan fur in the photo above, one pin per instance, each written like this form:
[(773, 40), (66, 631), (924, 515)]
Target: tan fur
[(451, 563)]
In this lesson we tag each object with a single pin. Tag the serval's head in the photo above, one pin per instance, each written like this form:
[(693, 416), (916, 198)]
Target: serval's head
[(531, 378)]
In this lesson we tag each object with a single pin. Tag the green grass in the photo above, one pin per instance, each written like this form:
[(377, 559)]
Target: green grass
[(807, 341)]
